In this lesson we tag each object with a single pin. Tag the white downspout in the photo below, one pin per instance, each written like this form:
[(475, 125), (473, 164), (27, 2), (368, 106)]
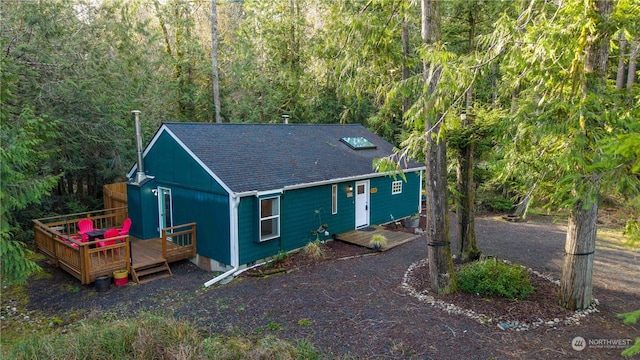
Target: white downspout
[(420, 195), (234, 202)]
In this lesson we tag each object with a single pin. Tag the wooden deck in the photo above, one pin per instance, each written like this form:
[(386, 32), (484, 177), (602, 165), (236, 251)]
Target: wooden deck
[(147, 260), (363, 237), (57, 238), (145, 251)]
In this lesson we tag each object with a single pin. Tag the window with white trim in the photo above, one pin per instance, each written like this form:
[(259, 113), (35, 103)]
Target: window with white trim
[(334, 199), (269, 218), (396, 187)]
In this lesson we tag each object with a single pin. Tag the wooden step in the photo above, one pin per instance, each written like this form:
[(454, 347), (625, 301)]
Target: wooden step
[(153, 277), (150, 270)]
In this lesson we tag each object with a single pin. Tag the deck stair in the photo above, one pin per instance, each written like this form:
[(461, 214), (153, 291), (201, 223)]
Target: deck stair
[(150, 270)]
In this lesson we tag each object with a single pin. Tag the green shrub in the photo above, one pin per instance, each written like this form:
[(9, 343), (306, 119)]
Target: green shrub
[(492, 277), (277, 260), (500, 204)]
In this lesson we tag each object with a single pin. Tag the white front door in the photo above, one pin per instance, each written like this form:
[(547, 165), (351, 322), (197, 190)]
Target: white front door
[(165, 208), (362, 204)]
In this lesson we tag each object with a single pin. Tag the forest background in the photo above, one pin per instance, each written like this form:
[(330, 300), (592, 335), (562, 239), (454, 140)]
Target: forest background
[(73, 70), (537, 100)]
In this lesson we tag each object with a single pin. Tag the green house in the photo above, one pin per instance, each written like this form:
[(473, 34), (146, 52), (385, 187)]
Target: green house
[(255, 190)]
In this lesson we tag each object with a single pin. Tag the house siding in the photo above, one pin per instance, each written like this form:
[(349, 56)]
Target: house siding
[(171, 164), (250, 250), (386, 207), (196, 197), (144, 218), (304, 210), (210, 212)]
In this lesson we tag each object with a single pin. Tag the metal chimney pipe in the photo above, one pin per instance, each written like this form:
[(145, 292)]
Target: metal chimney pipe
[(285, 119), (140, 174)]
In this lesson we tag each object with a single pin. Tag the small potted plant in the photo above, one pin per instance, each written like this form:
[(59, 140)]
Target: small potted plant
[(378, 241), (412, 221)]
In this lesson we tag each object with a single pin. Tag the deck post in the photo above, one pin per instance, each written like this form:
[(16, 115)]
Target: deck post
[(193, 240), (84, 265), (163, 237), (55, 249), (128, 253)]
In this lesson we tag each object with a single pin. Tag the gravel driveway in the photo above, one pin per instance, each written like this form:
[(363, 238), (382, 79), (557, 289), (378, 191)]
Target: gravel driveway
[(356, 308)]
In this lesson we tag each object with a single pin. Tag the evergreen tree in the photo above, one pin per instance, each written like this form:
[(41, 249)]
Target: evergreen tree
[(565, 110), (25, 176)]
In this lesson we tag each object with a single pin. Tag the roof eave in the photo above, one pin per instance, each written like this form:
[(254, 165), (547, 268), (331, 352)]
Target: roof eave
[(326, 182), (165, 129)]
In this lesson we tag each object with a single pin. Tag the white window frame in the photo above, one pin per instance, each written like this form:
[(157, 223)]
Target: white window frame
[(275, 216), (334, 199), (396, 187)]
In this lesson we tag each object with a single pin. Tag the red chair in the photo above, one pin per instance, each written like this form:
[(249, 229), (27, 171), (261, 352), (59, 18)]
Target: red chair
[(84, 226), (75, 238), (125, 227), (111, 233)]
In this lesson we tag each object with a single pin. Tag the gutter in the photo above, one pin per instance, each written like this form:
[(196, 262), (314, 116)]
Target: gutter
[(349, 178), (327, 182), (234, 202)]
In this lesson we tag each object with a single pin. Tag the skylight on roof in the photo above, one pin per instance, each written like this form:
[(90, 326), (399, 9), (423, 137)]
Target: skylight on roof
[(358, 143)]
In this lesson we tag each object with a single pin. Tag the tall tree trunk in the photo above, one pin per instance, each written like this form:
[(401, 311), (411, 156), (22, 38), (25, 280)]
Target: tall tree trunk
[(633, 57), (214, 60), (184, 63), (182, 66), (621, 68), (468, 249), (514, 101), (405, 66), (293, 42), (597, 47), (577, 271), (163, 26), (441, 270), (576, 283), (468, 246), (494, 86)]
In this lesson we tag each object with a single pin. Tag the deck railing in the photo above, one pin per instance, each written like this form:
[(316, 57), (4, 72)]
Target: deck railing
[(102, 219), (56, 237), (179, 242)]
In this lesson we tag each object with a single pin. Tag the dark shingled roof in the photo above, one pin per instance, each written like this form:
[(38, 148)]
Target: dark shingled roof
[(262, 157)]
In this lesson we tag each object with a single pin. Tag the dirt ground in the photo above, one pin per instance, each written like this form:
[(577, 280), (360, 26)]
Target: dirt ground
[(354, 304)]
